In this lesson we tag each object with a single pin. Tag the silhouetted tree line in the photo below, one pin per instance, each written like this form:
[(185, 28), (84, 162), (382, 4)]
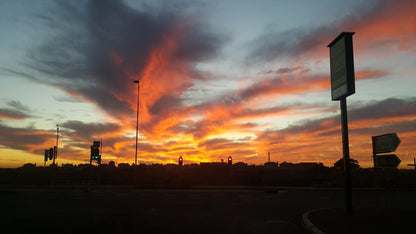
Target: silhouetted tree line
[(271, 174)]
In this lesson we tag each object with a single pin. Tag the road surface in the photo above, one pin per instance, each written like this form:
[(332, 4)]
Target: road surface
[(201, 210)]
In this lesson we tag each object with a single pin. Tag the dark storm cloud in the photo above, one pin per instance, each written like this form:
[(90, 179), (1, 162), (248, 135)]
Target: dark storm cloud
[(290, 43), (98, 47), (13, 114), (388, 108), (17, 105), (327, 127), (286, 70), (28, 138), (391, 107), (16, 111), (23, 138), (89, 130), (295, 42), (399, 127)]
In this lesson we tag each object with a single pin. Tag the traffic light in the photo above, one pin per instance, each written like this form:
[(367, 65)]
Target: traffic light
[(95, 154), (230, 160), (50, 154), (180, 161), (97, 158)]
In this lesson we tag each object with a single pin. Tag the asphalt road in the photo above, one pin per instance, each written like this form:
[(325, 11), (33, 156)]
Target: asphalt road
[(203, 210)]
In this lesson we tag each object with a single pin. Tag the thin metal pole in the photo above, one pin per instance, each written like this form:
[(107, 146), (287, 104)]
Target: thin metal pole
[(346, 152), (137, 119), (101, 147), (57, 137), (374, 153)]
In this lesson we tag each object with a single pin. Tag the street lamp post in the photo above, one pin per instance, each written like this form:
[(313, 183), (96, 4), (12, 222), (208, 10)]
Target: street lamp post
[(137, 119), (56, 151)]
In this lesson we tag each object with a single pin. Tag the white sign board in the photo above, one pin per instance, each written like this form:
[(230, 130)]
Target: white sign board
[(342, 66)]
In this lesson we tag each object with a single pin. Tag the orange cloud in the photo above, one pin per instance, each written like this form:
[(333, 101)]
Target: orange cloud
[(391, 22), (3, 116)]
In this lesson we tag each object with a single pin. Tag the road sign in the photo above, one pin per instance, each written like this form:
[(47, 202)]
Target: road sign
[(385, 143), (387, 161), (342, 66)]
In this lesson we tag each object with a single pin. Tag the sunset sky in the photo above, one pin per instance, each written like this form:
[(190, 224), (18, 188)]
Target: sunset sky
[(217, 78)]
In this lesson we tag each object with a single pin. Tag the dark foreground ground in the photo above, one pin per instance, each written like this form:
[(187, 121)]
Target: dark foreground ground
[(205, 209), (365, 220)]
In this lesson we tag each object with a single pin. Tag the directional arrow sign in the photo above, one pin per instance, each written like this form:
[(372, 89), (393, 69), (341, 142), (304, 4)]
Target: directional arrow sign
[(385, 143), (387, 161)]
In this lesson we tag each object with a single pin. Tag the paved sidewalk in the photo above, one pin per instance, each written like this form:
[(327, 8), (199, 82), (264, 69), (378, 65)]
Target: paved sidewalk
[(366, 220)]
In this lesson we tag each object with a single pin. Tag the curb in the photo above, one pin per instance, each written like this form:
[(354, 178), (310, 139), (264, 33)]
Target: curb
[(308, 225)]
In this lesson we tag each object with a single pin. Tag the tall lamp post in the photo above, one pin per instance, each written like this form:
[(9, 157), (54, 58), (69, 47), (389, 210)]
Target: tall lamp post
[(137, 119), (56, 150)]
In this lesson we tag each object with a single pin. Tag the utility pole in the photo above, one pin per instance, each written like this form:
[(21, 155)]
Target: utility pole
[(101, 151), (137, 129), (57, 140)]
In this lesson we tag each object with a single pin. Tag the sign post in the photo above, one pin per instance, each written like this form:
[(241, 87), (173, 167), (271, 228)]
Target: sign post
[(342, 86)]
